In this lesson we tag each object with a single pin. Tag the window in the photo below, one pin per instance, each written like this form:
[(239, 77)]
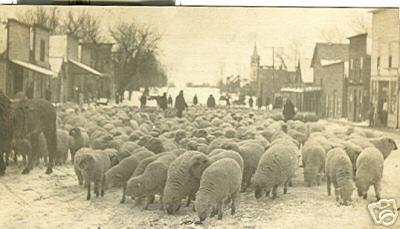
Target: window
[(378, 62), (390, 61), (41, 50), (361, 62)]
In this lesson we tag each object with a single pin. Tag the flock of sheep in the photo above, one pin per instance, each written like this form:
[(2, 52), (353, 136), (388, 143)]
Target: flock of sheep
[(212, 155)]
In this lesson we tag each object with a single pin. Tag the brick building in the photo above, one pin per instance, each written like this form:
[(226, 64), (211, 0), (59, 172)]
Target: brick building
[(330, 63), (359, 78), (74, 79), (385, 65), (24, 60)]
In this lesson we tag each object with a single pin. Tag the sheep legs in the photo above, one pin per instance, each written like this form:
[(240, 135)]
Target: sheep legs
[(285, 187), (103, 184), (88, 190), (149, 200), (33, 156), (328, 185), (96, 188), (377, 187), (235, 202), (123, 193), (274, 192), (219, 209)]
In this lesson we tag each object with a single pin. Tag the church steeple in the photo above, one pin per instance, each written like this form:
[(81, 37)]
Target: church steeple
[(254, 64), (255, 50)]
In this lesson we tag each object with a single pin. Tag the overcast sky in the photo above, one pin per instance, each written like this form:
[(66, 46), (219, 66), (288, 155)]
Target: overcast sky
[(200, 43)]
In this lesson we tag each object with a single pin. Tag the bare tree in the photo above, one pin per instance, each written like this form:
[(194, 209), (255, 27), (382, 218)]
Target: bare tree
[(334, 34), (135, 58), (83, 25), (48, 17), (360, 24)]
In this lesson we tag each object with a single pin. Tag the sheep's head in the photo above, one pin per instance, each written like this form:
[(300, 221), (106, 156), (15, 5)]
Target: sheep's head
[(230, 146), (171, 203), (198, 164), (135, 188), (346, 193), (385, 144), (362, 186), (75, 132), (260, 190), (204, 209), (113, 179)]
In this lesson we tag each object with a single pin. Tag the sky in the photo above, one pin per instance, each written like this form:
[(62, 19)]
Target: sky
[(205, 44)]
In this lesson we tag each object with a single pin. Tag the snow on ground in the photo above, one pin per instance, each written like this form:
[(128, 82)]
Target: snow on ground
[(56, 201)]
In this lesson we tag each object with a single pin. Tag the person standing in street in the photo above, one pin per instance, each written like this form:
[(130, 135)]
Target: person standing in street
[(143, 101), (163, 102), (288, 110), (170, 101), (259, 103), (180, 104), (211, 101), (371, 115), (228, 102), (251, 102), (195, 100)]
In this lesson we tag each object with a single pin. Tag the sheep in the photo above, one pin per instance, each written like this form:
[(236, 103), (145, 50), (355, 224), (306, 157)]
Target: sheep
[(277, 166), (79, 140), (63, 145), (152, 181), (369, 172), (298, 136), (78, 157), (145, 162), (42, 147), (220, 181), (251, 154), (218, 142), (180, 181), (120, 174), (93, 165), (384, 144), (313, 156), (220, 154), (127, 149), (338, 170)]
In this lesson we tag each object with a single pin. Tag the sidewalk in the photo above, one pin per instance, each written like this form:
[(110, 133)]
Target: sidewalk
[(364, 125)]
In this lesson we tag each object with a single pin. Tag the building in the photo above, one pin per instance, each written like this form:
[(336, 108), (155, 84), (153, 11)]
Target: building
[(98, 56), (385, 65), (329, 64), (75, 80), (24, 60), (270, 79), (304, 98), (359, 78)]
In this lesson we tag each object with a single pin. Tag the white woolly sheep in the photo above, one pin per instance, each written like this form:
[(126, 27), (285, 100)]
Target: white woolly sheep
[(220, 182), (152, 181), (180, 181), (118, 175), (369, 172), (63, 145), (339, 171), (93, 165), (79, 140), (251, 154), (276, 167), (78, 157), (313, 155)]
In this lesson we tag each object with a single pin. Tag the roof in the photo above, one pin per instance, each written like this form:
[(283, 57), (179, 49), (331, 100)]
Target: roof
[(300, 89), (358, 35), (330, 62), (56, 63), (85, 67), (330, 51), (34, 68)]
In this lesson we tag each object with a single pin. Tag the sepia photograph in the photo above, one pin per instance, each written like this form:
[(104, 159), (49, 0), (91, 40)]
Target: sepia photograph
[(199, 117)]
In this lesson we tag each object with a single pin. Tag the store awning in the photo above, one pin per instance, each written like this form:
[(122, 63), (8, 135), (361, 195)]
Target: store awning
[(85, 67), (34, 68)]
